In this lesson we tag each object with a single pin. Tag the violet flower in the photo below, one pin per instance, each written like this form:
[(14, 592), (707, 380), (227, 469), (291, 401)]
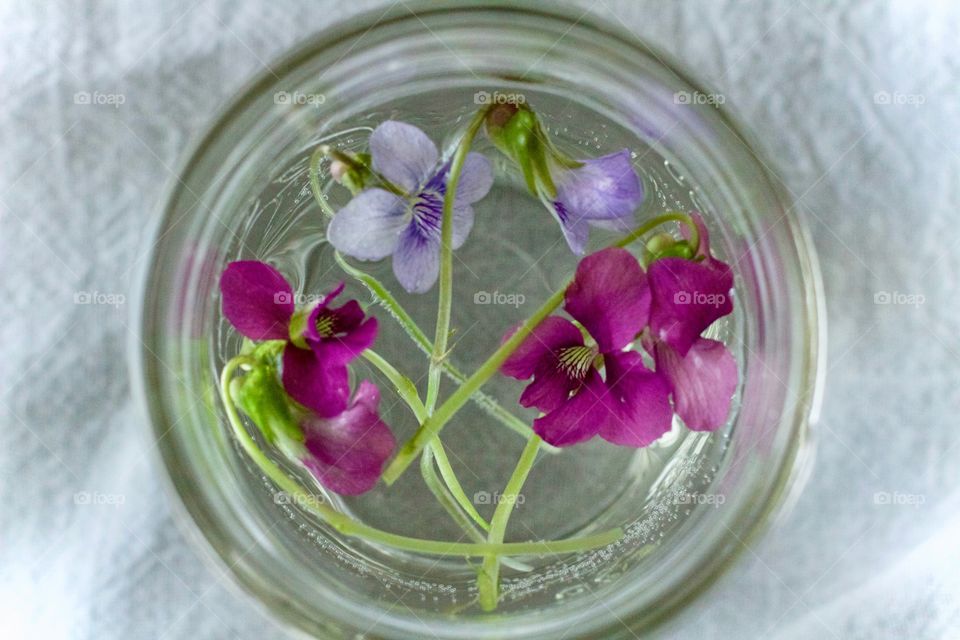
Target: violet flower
[(610, 298), (602, 192), (258, 302), (378, 223), (347, 452), (687, 297)]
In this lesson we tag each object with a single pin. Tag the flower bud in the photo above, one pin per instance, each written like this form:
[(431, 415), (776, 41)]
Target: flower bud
[(515, 131), (664, 245), (259, 394)]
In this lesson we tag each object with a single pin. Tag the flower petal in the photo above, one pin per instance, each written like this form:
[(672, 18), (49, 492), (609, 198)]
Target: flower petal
[(348, 451), (403, 154), (416, 262), (640, 402), (602, 189), (542, 345), (620, 225), (369, 227), (610, 297), (687, 297), (575, 229), (350, 337), (257, 300), (703, 382), (462, 224), (476, 178), (549, 389), (703, 251), (321, 386), (575, 420)]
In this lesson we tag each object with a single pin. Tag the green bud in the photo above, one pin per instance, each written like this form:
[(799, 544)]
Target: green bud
[(259, 394), (664, 245), (513, 129), (516, 131), (659, 243), (352, 170), (358, 175)]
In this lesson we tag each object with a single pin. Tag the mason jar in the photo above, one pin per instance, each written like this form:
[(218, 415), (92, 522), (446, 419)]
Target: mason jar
[(689, 504)]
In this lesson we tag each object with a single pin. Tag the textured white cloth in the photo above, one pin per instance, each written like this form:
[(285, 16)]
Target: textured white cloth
[(88, 548)]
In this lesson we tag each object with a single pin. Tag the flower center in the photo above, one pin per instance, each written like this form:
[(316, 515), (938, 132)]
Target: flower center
[(326, 325), (428, 213), (576, 361)]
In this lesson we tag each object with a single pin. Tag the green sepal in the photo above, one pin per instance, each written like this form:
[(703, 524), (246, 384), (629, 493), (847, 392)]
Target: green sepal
[(298, 327), (259, 394), (359, 175), (664, 245), (513, 129), (517, 132)]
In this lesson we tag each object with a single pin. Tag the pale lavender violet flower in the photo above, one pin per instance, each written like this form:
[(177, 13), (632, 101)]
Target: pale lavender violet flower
[(602, 192), (378, 223)]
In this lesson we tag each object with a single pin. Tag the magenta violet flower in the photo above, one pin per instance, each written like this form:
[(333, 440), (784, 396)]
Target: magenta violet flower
[(687, 296), (669, 307), (629, 406), (346, 452), (259, 303), (378, 223)]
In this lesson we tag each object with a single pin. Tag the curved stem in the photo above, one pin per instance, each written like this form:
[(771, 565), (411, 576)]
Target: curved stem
[(445, 497), (350, 527), (401, 383), (429, 429), (445, 300), (649, 225), (453, 483), (452, 496), (488, 580)]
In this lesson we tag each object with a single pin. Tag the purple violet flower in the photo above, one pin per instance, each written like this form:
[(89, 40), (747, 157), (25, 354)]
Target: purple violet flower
[(610, 298), (603, 192), (687, 297), (378, 223), (258, 302), (346, 452)]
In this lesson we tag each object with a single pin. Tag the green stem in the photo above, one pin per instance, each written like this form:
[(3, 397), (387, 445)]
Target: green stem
[(488, 581), (429, 429), (386, 299), (453, 483), (653, 223), (453, 494), (450, 504), (445, 300), (445, 497), (350, 527), (401, 383)]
